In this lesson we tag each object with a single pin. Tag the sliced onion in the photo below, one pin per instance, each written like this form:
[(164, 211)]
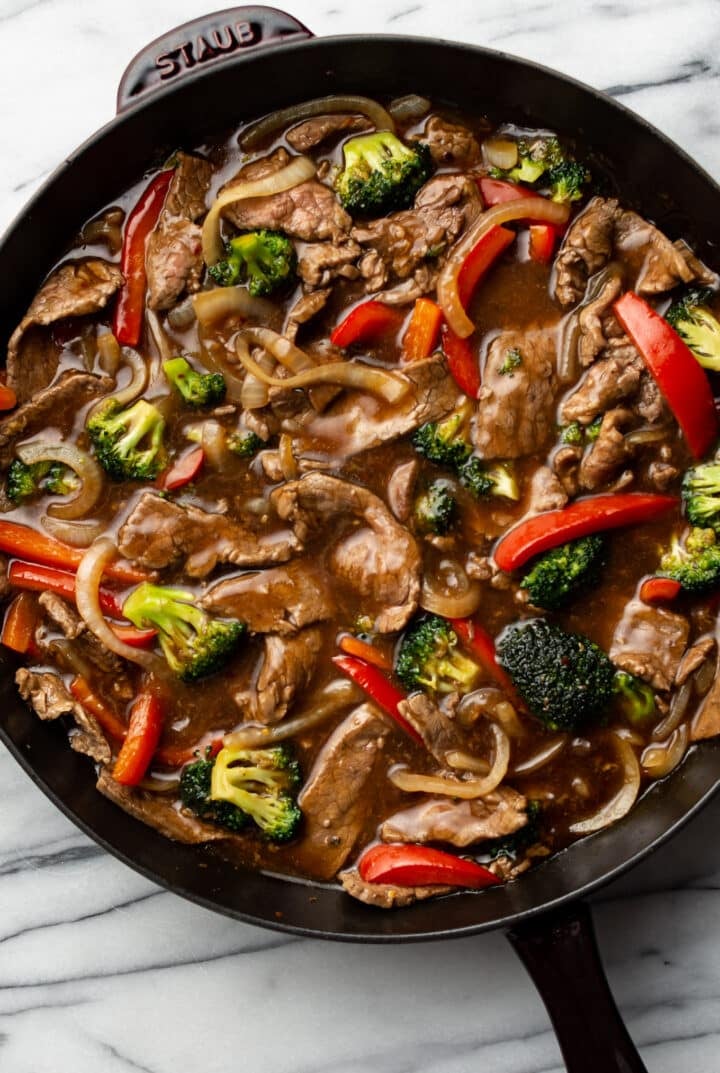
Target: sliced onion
[(525, 208), (509, 720), (222, 302), (647, 434), (659, 760), (331, 699), (165, 348), (453, 594), (465, 789), (529, 767), (87, 584), (678, 708), (500, 153), (135, 386), (403, 109), (254, 393), (288, 462), (336, 105), (457, 758), (78, 534), (215, 357), (109, 353), (80, 462), (214, 443), (351, 374), (621, 803), (299, 170), (183, 316), (704, 676), (286, 353)]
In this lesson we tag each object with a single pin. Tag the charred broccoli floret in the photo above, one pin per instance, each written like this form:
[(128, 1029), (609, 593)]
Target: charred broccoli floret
[(129, 442), (482, 480), (25, 480), (564, 678), (701, 495), (436, 508), (193, 643), (264, 260), (562, 572), (197, 389), (696, 564), (246, 784), (635, 697), (381, 173), (245, 444), (697, 325), (429, 658), (444, 442)]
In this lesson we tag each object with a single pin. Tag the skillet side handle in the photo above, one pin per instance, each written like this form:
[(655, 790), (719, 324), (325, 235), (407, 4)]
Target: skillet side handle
[(560, 952), (209, 39)]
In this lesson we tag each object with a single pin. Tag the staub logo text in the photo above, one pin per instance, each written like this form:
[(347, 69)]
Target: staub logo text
[(207, 46)]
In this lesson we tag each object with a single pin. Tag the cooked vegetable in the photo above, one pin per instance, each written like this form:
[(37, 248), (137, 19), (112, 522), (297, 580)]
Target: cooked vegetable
[(565, 679), (513, 846), (36, 578), (444, 442), (536, 156), (197, 389), (421, 336), (567, 180), (21, 620), (245, 444), (184, 470), (193, 643), (26, 543), (658, 590), (476, 640), (8, 398), (701, 495), (141, 740), (697, 325), (242, 785), (352, 374), (40, 478), (365, 323), (480, 259), (356, 646), (483, 480), (381, 173), (436, 508), (429, 658), (264, 260), (129, 443), (513, 359), (694, 564), (373, 682), (462, 362), (636, 698), (258, 132), (561, 573), (543, 240), (574, 434), (411, 865)]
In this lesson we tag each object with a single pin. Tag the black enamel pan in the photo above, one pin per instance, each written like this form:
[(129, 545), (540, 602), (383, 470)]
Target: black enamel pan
[(201, 80)]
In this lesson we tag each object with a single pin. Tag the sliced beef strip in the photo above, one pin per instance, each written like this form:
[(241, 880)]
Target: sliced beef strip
[(334, 800), (309, 211), (546, 492), (174, 251), (319, 263), (706, 723), (282, 600), (157, 812), (610, 452), (65, 618), (401, 489), (386, 895), (694, 658), (307, 307), (438, 728), (459, 823), (587, 247), (49, 696), (73, 290), (375, 556), (65, 398), (288, 665), (649, 642), (650, 403), (566, 467), (516, 410), (666, 263), (449, 143), (317, 130), (158, 534), (606, 383), (592, 320)]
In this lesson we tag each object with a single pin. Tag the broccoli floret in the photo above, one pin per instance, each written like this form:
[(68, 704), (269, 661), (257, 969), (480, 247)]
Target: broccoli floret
[(193, 643), (429, 658), (697, 326), (129, 442), (245, 444), (564, 678), (436, 508), (513, 358), (514, 845), (482, 480), (195, 787), (701, 495), (696, 565), (60, 480), (592, 431), (444, 442), (381, 174), (24, 481), (265, 260), (566, 181), (573, 434), (636, 698), (197, 389), (562, 572), (535, 157)]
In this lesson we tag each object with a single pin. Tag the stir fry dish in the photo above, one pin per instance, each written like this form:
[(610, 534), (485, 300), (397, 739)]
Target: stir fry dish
[(360, 509)]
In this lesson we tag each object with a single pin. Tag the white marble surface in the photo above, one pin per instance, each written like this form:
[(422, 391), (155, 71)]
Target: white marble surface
[(100, 972)]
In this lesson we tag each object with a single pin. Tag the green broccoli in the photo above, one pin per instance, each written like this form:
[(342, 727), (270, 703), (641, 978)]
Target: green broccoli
[(558, 575), (25, 480), (566, 181), (245, 444), (436, 508), (592, 431), (381, 174), (193, 643), (482, 480), (535, 157), (246, 784), (697, 325), (129, 442), (197, 389), (265, 260), (429, 658), (513, 358), (701, 495), (636, 698), (444, 442), (573, 434), (696, 565), (564, 678), (514, 845)]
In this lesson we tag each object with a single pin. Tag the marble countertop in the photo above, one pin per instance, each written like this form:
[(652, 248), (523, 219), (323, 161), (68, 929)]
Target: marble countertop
[(100, 970)]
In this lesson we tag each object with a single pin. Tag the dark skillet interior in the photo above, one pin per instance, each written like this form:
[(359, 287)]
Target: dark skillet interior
[(631, 155)]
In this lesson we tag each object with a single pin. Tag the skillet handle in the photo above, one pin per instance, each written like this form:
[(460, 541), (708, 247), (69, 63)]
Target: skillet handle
[(209, 39), (560, 952)]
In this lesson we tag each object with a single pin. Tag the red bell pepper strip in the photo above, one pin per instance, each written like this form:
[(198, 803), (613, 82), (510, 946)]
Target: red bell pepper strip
[(543, 239), (497, 191), (480, 644), (128, 317), (462, 362), (141, 740), (365, 323), (131, 635), (410, 865), (674, 367), (422, 332), (483, 254), (36, 578), (353, 646), (585, 516), (378, 688), (21, 620), (184, 470), (8, 398), (27, 543), (179, 755), (658, 590)]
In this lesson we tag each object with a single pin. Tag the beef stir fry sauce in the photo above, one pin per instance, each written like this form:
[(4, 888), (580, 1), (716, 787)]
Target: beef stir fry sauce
[(359, 503)]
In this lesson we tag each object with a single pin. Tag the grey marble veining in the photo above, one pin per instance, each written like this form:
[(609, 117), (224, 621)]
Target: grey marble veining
[(100, 972)]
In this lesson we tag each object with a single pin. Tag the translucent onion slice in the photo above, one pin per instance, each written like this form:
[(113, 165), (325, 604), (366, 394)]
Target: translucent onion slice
[(214, 443), (135, 386), (288, 462), (659, 759), (109, 353), (222, 302), (404, 109), (458, 758), (621, 803), (466, 789), (299, 170), (450, 605), (676, 714), (254, 393), (286, 353), (256, 134), (77, 534), (87, 584), (353, 374), (539, 760), (525, 208), (331, 699), (500, 153), (80, 462)]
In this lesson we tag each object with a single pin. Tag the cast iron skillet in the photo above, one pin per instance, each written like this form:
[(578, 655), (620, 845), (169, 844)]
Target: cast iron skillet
[(198, 81)]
